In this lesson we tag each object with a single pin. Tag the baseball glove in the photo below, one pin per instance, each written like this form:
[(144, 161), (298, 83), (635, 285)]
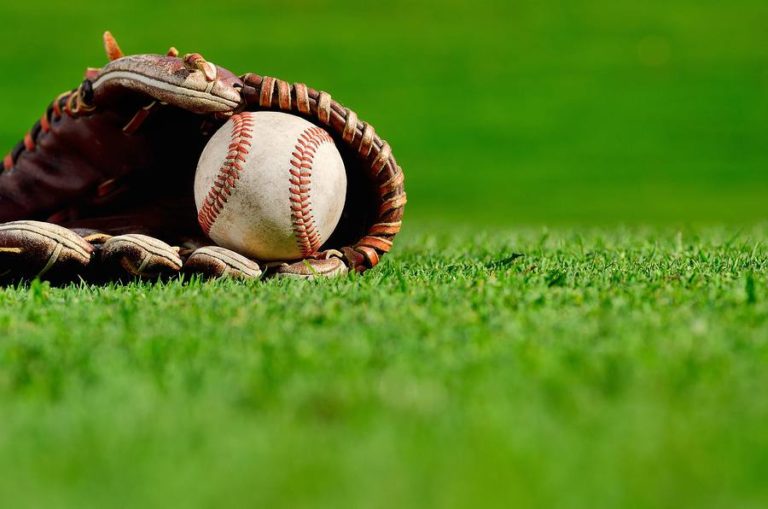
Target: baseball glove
[(102, 185)]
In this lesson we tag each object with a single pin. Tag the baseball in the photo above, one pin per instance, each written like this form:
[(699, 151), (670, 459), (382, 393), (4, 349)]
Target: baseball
[(270, 186)]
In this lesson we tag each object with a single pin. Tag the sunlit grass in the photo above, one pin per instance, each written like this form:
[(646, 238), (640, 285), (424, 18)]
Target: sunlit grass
[(609, 368)]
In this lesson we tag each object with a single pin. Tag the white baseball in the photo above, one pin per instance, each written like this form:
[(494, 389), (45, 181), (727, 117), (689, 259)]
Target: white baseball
[(270, 186)]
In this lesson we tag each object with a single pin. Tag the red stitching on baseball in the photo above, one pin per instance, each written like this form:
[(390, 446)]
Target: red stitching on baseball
[(229, 171), (307, 236)]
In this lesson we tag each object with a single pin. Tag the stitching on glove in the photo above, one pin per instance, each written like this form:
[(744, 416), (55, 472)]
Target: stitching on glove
[(69, 103), (51, 260)]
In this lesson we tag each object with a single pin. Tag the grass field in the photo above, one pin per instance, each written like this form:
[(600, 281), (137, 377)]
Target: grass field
[(576, 314), (550, 369)]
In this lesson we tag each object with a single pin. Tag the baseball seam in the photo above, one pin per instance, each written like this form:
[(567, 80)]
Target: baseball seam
[(229, 171), (304, 228)]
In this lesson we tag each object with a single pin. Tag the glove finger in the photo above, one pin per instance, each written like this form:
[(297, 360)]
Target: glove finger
[(190, 83), (215, 262), (138, 256), (312, 269), (30, 249)]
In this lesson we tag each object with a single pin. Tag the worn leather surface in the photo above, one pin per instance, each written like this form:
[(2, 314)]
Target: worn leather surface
[(87, 173)]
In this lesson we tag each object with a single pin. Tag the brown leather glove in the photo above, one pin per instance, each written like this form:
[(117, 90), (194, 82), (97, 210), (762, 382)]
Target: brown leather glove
[(117, 155)]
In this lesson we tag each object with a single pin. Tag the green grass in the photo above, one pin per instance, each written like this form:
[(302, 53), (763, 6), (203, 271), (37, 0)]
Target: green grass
[(621, 368), (606, 367)]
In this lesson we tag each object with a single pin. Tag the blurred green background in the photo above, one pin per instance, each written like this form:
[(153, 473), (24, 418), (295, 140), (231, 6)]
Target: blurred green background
[(500, 112)]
